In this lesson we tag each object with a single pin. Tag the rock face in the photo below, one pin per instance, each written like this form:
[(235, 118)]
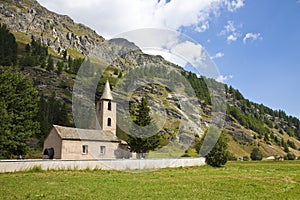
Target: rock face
[(57, 31)]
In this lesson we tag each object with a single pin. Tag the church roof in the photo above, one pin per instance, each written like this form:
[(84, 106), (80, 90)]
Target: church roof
[(107, 92), (68, 133)]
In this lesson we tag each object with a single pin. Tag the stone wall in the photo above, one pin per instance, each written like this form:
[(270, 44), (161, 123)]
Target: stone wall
[(130, 164)]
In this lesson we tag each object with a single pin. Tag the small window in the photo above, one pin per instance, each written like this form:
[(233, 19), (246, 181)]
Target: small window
[(84, 149), (109, 105), (109, 122), (102, 150), (99, 106)]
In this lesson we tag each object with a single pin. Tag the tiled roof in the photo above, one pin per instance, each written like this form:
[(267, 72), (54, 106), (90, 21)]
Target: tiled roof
[(69, 133)]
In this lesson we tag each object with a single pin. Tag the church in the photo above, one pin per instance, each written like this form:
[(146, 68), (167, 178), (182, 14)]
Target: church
[(68, 143)]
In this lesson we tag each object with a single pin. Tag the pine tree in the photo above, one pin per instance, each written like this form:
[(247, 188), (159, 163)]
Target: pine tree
[(219, 154), (8, 47), (138, 141), (50, 64), (60, 67), (256, 154), (18, 112), (143, 113)]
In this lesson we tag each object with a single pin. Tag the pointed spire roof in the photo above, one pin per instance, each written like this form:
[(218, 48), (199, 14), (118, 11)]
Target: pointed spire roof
[(107, 92)]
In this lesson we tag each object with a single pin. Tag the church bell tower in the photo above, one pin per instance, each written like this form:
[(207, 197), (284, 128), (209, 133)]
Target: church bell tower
[(106, 111)]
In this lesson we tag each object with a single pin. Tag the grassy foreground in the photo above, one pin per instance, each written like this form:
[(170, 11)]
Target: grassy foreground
[(237, 180)]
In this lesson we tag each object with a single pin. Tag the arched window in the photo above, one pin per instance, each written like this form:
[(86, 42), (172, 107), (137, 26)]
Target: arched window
[(109, 105), (109, 122)]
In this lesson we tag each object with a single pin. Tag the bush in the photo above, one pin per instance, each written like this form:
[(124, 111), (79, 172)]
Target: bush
[(218, 156), (232, 157), (256, 154), (246, 158), (291, 156), (291, 144), (190, 153)]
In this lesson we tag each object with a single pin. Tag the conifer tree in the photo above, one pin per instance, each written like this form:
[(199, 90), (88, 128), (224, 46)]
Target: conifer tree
[(219, 154), (18, 112), (50, 64), (8, 47), (256, 154), (138, 141), (60, 66)]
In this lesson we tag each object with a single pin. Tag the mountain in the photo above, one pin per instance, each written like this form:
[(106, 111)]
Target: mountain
[(249, 125), (26, 18)]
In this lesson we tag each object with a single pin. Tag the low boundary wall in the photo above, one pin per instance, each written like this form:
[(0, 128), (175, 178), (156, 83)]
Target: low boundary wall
[(130, 164)]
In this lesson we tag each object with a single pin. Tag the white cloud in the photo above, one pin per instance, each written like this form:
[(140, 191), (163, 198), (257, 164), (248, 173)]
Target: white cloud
[(203, 27), (228, 28), (112, 17), (232, 38), (252, 37), (176, 59), (222, 78), (231, 32), (218, 55), (189, 51), (234, 5)]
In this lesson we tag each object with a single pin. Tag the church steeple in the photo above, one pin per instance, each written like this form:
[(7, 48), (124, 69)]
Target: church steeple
[(106, 111), (106, 92)]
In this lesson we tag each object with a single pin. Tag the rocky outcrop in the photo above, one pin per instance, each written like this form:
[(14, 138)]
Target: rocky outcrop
[(57, 31)]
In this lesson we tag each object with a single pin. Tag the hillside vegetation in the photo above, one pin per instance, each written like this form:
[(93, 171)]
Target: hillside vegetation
[(54, 67)]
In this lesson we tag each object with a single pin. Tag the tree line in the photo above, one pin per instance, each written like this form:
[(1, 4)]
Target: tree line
[(25, 114)]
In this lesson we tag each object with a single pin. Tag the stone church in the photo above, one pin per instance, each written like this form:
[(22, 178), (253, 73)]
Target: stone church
[(78, 144)]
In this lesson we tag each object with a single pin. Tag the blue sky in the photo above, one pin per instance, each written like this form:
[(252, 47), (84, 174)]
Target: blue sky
[(254, 43), (266, 70)]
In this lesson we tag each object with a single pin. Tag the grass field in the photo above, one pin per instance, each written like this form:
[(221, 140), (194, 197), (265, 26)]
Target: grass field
[(237, 180)]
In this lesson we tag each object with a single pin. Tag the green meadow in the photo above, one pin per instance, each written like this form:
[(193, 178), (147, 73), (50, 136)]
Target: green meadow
[(237, 180)]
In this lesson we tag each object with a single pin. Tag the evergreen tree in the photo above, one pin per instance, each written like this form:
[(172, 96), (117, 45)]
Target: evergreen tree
[(291, 156), (50, 64), (52, 111), (18, 112), (256, 154), (60, 67), (27, 48), (219, 155), (143, 113), (45, 125), (139, 142), (8, 47), (291, 144), (36, 54)]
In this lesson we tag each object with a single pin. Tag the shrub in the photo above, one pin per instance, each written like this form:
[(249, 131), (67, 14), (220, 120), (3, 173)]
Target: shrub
[(246, 158), (256, 154), (218, 156), (232, 157), (291, 144), (291, 156)]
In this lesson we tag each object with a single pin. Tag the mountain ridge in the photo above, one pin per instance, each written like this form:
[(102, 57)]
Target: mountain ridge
[(60, 32), (248, 124)]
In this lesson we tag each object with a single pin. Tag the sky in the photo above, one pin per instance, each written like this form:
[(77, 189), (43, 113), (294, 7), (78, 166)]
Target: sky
[(255, 44)]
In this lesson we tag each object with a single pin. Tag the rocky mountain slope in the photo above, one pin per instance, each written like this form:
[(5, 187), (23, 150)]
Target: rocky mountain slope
[(28, 18), (249, 125)]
